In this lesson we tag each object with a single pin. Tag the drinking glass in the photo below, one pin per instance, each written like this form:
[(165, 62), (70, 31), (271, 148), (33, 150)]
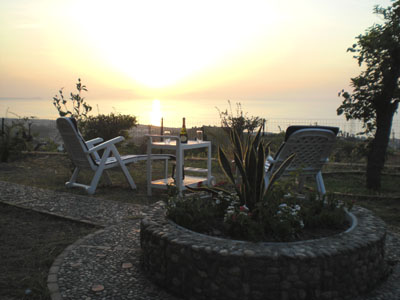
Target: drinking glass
[(199, 136), (167, 140)]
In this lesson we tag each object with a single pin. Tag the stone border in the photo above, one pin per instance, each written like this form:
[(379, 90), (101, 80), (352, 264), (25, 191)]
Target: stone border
[(198, 266), (52, 278)]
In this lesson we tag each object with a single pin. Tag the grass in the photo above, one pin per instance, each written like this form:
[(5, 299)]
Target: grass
[(30, 241), (52, 171)]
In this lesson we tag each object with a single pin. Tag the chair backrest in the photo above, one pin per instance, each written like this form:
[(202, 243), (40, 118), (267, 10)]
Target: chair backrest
[(74, 143), (312, 145)]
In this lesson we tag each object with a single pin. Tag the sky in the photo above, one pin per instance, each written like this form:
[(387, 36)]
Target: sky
[(181, 58)]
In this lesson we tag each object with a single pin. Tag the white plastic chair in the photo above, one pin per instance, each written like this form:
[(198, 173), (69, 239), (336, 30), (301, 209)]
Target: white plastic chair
[(85, 155), (312, 146)]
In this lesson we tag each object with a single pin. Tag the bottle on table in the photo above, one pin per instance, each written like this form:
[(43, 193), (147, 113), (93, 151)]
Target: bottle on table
[(183, 134)]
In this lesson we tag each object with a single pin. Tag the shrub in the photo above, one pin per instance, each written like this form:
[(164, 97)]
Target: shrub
[(16, 137), (108, 126), (239, 122)]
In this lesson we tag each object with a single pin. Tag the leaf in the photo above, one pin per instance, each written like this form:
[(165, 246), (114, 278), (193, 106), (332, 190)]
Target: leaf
[(237, 143), (278, 173), (256, 140), (225, 165), (240, 167), (251, 167), (260, 172)]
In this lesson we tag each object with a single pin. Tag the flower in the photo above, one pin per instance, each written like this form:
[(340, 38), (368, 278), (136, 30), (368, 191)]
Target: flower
[(244, 208)]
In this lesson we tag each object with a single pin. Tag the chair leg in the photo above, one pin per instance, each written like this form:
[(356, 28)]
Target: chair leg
[(166, 169), (107, 178), (98, 172), (73, 178), (95, 181), (320, 183), (266, 179), (123, 167)]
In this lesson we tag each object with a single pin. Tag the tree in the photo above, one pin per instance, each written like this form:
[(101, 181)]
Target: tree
[(376, 93)]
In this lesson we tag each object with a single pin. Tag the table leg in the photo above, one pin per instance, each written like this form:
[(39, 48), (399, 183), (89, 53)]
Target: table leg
[(209, 164), (149, 166), (179, 169)]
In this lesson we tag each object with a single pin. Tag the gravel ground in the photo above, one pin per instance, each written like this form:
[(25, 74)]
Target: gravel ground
[(106, 264)]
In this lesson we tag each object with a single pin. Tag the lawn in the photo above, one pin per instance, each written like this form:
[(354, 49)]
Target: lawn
[(29, 243)]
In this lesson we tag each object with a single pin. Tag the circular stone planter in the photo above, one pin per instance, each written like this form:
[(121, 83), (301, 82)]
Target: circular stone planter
[(197, 266)]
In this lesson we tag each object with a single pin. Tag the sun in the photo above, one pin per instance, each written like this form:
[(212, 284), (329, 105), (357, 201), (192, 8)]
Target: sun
[(156, 114), (159, 43)]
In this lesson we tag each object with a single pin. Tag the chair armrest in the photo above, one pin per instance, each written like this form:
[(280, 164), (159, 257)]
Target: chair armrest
[(106, 144), (94, 141)]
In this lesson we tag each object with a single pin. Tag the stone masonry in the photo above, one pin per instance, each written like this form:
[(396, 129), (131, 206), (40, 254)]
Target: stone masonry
[(197, 266)]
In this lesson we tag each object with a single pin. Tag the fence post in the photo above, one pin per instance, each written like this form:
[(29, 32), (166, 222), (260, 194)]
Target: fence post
[(2, 128)]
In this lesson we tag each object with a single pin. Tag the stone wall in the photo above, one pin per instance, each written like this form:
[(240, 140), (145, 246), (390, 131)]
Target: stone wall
[(197, 266)]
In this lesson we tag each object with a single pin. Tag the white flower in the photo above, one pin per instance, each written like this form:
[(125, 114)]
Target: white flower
[(283, 205), (217, 201), (297, 207)]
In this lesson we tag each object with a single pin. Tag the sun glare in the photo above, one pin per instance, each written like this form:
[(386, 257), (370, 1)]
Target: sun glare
[(155, 114), (159, 43)]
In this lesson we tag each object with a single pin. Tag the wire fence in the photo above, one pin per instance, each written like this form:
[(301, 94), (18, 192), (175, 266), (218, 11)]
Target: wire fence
[(47, 129), (351, 128)]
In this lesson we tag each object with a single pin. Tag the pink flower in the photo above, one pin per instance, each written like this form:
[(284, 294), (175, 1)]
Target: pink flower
[(244, 208)]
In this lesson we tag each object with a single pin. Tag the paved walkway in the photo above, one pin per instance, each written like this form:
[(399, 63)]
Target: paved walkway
[(106, 264)]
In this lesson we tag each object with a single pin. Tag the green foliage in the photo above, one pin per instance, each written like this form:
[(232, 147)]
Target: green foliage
[(328, 212), (239, 122), (249, 158), (350, 150), (16, 137), (80, 108), (285, 218), (197, 212), (108, 126)]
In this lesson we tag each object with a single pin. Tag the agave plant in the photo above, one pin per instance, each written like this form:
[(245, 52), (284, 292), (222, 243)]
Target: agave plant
[(249, 158)]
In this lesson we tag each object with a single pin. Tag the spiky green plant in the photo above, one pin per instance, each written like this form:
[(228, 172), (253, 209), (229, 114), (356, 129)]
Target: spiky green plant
[(249, 158)]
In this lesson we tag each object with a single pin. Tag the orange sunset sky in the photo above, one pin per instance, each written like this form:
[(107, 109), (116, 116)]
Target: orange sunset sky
[(280, 59)]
